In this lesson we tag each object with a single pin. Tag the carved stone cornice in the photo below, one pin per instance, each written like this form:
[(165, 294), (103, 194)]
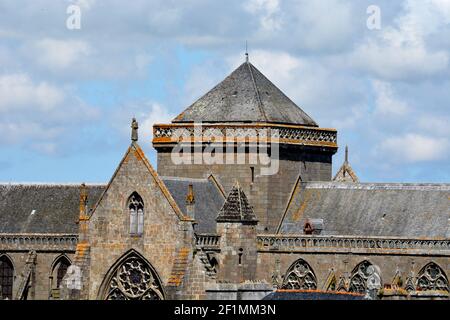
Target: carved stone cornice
[(170, 134)]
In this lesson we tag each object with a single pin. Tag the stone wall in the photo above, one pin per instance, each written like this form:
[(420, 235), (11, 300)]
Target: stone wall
[(41, 281), (164, 234), (237, 258), (343, 263), (267, 194)]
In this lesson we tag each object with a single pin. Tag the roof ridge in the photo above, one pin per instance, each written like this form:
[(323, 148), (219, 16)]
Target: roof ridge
[(183, 179), (376, 185), (258, 97), (52, 184)]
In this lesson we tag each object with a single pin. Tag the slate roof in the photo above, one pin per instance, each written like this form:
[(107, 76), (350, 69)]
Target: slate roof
[(368, 209), (236, 207), (246, 95), (43, 208), (208, 200)]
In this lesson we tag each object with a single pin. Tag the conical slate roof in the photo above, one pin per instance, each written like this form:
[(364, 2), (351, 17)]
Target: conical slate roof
[(236, 207), (246, 95)]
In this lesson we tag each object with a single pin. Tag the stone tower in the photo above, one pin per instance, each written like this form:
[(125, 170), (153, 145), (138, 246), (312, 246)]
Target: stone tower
[(262, 120), (236, 225)]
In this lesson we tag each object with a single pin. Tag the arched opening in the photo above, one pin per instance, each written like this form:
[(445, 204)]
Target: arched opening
[(59, 270), (361, 275), (135, 207), (6, 278), (132, 278), (432, 277), (300, 276)]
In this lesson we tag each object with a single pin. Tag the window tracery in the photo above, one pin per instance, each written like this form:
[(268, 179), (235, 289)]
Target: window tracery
[(432, 277), (136, 211), (362, 276), (134, 279), (300, 276)]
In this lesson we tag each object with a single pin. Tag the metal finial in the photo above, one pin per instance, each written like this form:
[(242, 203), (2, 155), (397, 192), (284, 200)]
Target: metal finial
[(246, 51), (346, 154), (134, 130)]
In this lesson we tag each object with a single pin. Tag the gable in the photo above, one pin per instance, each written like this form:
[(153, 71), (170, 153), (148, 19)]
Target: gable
[(135, 165)]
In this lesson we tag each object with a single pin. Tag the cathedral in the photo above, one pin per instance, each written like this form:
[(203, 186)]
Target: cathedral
[(242, 205)]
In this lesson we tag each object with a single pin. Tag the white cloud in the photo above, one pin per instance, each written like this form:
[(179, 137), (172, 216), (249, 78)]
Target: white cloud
[(85, 4), (22, 130), (401, 51), (443, 7), (324, 91), (386, 103), (156, 114), (18, 91), (39, 116), (322, 24), (413, 147), (279, 67), (386, 60), (60, 54), (164, 51), (267, 10), (437, 125), (147, 114)]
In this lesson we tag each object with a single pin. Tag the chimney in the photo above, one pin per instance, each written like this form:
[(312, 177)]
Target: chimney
[(190, 201)]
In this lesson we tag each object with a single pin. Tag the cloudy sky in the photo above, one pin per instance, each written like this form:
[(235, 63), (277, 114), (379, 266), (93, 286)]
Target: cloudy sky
[(67, 95)]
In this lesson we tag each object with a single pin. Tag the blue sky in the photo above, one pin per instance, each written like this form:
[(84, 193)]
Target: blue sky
[(67, 96)]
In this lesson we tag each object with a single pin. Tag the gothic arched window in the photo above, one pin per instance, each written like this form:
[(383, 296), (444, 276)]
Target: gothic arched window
[(360, 276), (6, 278), (133, 279), (60, 269), (432, 277), (300, 276), (136, 211)]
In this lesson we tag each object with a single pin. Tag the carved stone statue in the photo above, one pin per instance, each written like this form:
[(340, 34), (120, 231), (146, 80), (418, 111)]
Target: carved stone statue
[(134, 130)]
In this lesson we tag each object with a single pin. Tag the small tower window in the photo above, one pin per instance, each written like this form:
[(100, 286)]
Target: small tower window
[(252, 169), (136, 211), (240, 255)]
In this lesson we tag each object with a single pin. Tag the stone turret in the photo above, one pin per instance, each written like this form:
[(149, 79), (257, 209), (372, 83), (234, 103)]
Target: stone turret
[(236, 225)]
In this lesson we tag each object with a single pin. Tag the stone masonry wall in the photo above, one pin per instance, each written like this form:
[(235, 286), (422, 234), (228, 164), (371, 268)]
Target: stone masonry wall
[(236, 240), (41, 287), (109, 236), (267, 194), (322, 263)]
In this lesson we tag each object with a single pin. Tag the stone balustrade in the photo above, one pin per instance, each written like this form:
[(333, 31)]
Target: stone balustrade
[(38, 242), (287, 134), (387, 245), (207, 240)]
